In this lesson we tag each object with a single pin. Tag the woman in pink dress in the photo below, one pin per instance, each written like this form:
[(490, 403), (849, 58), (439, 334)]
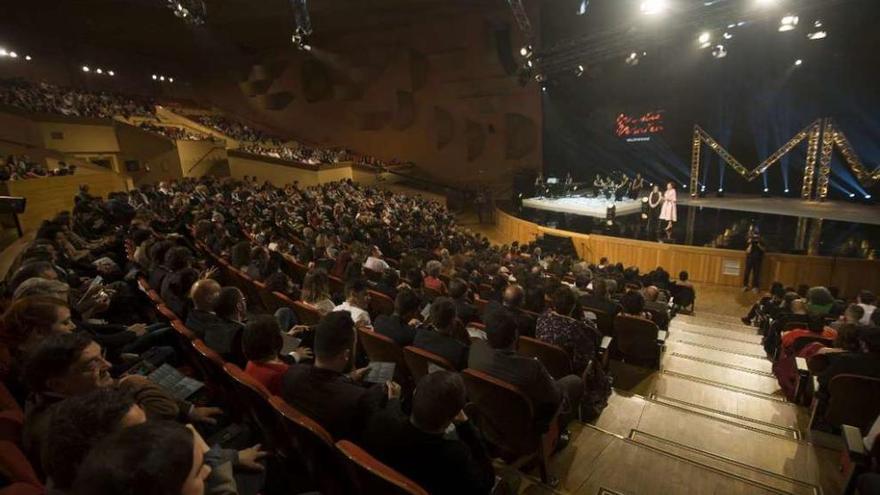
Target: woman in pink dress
[(668, 212)]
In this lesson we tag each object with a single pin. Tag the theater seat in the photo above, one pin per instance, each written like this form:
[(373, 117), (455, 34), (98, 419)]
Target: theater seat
[(553, 357), (418, 361), (167, 312), (380, 304), (506, 417), (638, 341), (854, 401), (255, 398), (315, 451), (604, 321), (380, 348), (373, 477)]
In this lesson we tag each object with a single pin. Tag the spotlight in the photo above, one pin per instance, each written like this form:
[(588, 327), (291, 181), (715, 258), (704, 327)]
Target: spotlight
[(155, 77), (704, 39), (543, 88), (111, 73), (720, 192), (731, 26), (786, 190), (526, 51), (85, 68), (540, 78), (788, 23), (579, 71), (818, 23), (817, 35), (852, 195), (161, 78), (633, 59), (766, 189), (766, 2), (719, 51), (798, 62), (727, 35), (99, 71), (3, 52), (28, 58), (13, 54), (867, 196), (529, 63), (171, 79), (651, 7)]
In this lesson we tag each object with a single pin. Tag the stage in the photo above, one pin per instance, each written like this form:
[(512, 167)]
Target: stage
[(590, 207), (842, 211)]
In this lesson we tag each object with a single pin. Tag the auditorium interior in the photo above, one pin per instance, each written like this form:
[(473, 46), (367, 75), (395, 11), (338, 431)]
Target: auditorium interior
[(612, 247)]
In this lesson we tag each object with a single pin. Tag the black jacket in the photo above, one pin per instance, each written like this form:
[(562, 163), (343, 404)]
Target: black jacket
[(394, 328), (443, 345)]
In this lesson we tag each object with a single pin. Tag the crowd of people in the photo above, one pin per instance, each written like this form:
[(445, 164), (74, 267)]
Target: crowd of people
[(172, 132), (815, 324), (21, 167), (43, 97), (77, 335)]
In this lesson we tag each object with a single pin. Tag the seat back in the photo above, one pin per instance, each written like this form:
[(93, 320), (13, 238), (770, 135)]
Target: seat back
[(372, 275), (794, 325), (255, 398), (211, 364), (636, 340), (505, 414), (372, 476), (553, 357), (167, 313), (801, 342), (604, 321), (380, 304), (381, 348), (430, 294), (15, 466), (417, 361), (855, 401), (314, 450)]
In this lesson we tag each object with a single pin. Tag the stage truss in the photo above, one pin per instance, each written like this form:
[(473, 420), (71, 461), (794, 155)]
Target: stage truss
[(822, 136)]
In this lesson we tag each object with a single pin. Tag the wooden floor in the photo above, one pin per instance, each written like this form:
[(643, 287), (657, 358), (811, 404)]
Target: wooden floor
[(711, 420)]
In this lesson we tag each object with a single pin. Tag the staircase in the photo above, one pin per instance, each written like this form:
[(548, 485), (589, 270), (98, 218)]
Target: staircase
[(711, 420)]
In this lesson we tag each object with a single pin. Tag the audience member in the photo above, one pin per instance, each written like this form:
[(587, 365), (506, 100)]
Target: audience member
[(400, 326), (443, 334), (561, 327)]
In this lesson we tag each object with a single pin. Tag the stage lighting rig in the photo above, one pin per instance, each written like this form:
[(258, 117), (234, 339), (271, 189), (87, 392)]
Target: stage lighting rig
[(579, 71), (705, 39), (302, 25), (788, 23), (192, 12), (719, 51), (652, 7)]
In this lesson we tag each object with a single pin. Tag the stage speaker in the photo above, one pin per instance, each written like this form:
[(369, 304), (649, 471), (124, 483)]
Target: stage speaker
[(12, 204)]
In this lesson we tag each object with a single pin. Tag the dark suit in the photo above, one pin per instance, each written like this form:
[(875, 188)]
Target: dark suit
[(443, 345), (525, 324), (607, 305), (465, 311), (438, 463), (527, 374), (659, 314), (394, 328), (219, 334), (334, 400)]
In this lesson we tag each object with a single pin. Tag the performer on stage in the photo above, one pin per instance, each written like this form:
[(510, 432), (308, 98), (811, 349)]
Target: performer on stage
[(567, 184), (668, 211), (620, 188), (539, 184), (655, 198), (636, 187)]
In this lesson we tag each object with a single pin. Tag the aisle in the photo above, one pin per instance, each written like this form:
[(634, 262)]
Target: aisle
[(711, 420)]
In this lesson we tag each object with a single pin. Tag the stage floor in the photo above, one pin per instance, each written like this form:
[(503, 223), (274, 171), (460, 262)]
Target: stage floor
[(843, 211), (590, 207)]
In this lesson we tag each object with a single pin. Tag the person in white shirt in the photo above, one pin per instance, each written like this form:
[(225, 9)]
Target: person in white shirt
[(868, 301), (375, 262), (357, 303)]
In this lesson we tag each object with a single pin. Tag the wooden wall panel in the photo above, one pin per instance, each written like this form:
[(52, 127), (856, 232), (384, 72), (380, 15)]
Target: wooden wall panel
[(50, 195), (703, 264)]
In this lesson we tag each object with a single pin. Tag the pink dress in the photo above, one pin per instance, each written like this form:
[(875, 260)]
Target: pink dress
[(667, 212)]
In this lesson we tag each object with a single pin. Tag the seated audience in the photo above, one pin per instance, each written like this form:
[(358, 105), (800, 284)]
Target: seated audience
[(357, 303), (443, 334), (632, 303), (867, 300), (400, 326), (432, 277), (316, 291), (560, 326), (511, 303), (497, 357), (340, 402), (375, 262), (851, 316), (262, 343), (464, 310), (600, 299), (659, 312), (420, 446)]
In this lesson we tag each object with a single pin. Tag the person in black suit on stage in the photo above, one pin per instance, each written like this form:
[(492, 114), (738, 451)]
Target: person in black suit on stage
[(754, 258)]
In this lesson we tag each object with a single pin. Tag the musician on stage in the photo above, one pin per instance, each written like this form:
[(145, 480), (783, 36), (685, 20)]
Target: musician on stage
[(668, 211), (620, 187), (655, 198), (539, 184), (567, 184), (636, 186)]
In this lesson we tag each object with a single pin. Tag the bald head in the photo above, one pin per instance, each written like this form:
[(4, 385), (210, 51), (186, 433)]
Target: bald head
[(651, 293), (513, 296), (204, 294), (799, 307)]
